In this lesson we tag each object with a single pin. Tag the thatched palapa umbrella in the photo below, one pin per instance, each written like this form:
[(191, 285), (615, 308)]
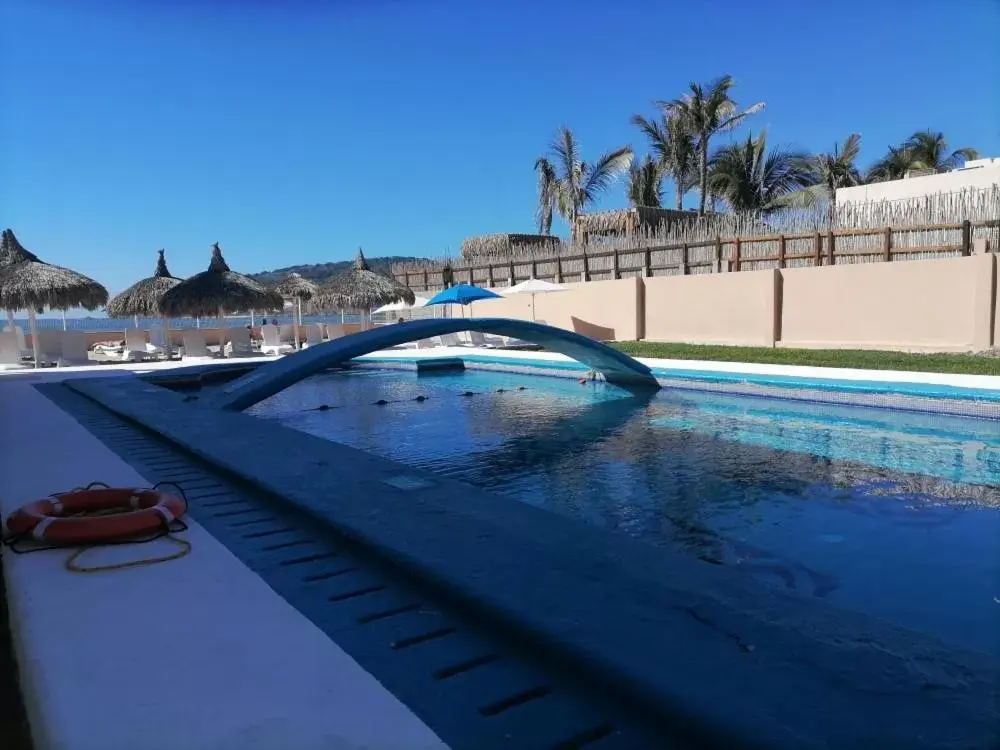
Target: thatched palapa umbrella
[(215, 291), (26, 283), (293, 286), (361, 289), (143, 297)]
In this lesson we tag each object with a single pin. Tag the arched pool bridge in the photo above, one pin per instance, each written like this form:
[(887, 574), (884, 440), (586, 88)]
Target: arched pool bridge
[(266, 380)]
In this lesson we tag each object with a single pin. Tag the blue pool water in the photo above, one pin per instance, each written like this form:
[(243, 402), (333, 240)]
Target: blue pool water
[(893, 513)]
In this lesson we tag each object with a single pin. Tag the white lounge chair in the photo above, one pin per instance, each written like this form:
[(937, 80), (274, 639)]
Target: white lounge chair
[(314, 334), (22, 344), (272, 341), (194, 343), (136, 347), (286, 334), (10, 352), (450, 339), (334, 331), (74, 348), (159, 337), (49, 346), (428, 343), (239, 344), (480, 340)]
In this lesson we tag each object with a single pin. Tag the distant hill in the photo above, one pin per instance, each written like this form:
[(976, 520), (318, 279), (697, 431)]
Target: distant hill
[(320, 272)]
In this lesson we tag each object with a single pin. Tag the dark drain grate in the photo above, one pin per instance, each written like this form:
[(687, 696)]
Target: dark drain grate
[(472, 686)]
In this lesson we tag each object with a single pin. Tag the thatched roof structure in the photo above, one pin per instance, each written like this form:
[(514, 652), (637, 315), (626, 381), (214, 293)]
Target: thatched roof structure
[(26, 283), (361, 289), (507, 245), (11, 251), (218, 290), (143, 297), (293, 286), (627, 221)]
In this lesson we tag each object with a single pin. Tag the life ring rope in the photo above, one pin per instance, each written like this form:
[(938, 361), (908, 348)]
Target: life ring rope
[(72, 515)]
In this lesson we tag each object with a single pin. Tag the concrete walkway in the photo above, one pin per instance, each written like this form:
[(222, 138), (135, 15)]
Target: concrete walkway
[(197, 653)]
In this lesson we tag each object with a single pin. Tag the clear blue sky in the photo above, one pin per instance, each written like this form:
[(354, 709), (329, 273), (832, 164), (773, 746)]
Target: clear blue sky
[(293, 132)]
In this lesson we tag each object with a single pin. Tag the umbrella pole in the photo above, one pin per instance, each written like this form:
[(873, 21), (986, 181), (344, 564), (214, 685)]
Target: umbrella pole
[(135, 319), (222, 333), (532, 307), (166, 334), (251, 319), (64, 319), (297, 323), (10, 320), (33, 327)]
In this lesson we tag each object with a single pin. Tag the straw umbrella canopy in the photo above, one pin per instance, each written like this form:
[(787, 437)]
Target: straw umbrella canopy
[(361, 289), (216, 291), (142, 299), (293, 286), (26, 283)]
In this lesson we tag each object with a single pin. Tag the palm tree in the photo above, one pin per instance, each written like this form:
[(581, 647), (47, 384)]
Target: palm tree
[(566, 184), (829, 172), (675, 151), (705, 112), (930, 151), (748, 177), (645, 183), (893, 166)]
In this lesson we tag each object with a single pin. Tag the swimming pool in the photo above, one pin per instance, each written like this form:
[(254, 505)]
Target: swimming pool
[(892, 513)]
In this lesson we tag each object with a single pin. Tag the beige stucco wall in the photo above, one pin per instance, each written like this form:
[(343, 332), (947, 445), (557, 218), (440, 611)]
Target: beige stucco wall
[(929, 305), (604, 310), (726, 308)]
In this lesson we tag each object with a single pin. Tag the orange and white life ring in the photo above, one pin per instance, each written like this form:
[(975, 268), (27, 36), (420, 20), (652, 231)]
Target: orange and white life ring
[(54, 519)]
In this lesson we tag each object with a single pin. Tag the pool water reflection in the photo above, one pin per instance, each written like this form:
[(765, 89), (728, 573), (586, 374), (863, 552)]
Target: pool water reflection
[(892, 513)]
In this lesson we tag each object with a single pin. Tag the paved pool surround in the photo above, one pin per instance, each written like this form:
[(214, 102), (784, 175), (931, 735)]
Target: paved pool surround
[(728, 662)]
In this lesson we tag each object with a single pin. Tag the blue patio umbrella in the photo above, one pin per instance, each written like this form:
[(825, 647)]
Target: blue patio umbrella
[(461, 294)]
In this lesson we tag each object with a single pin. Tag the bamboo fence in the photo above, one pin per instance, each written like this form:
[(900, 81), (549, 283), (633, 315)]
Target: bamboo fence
[(937, 226)]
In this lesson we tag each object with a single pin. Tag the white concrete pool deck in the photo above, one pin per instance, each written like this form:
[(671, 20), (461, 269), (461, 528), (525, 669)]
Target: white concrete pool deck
[(826, 373), (991, 382), (197, 653)]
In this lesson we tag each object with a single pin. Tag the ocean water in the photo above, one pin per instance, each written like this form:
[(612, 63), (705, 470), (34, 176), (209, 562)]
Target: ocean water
[(892, 513), (120, 324)]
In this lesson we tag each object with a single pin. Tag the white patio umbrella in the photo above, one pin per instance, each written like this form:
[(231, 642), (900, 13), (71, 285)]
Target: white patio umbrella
[(401, 305), (533, 287)]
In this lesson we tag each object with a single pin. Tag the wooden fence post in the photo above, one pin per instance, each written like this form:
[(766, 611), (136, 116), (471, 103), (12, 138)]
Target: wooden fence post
[(887, 244), (489, 275), (534, 269), (736, 254), (781, 251), (614, 265), (585, 274), (684, 260), (817, 249), (510, 277), (966, 237), (427, 284), (718, 254), (558, 269), (831, 246), (647, 263)]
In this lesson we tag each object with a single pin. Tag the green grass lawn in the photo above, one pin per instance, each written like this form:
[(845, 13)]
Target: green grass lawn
[(867, 360)]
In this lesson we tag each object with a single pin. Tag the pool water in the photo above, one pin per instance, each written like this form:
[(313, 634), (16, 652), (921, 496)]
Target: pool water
[(892, 513)]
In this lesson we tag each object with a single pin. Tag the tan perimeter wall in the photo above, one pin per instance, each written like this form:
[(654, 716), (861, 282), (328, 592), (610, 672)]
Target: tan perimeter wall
[(939, 305), (726, 308), (604, 310)]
